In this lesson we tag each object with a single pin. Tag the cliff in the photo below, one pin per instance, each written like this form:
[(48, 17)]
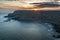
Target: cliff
[(52, 17)]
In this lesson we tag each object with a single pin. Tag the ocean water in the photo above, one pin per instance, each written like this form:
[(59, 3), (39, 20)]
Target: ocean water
[(15, 30)]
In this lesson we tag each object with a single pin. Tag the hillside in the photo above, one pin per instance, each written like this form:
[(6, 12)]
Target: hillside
[(52, 17)]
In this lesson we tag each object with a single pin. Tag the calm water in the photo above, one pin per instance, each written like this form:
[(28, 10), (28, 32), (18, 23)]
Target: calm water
[(14, 30)]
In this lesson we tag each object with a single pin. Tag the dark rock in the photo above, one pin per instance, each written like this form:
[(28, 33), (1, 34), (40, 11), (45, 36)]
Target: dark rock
[(52, 17), (58, 36)]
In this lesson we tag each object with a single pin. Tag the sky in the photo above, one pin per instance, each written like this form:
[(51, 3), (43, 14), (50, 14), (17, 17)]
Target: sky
[(18, 4)]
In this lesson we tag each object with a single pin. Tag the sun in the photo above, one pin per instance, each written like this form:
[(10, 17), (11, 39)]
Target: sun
[(36, 9)]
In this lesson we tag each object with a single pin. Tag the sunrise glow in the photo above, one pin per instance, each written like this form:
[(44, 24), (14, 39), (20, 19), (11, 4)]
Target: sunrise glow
[(25, 4)]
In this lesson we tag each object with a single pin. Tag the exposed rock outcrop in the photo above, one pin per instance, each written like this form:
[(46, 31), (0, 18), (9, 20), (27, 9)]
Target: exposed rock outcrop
[(52, 17)]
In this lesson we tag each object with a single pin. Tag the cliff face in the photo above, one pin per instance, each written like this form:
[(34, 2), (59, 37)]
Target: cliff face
[(52, 17), (28, 15)]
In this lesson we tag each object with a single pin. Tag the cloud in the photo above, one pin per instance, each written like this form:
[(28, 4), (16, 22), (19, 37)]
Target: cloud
[(25, 31)]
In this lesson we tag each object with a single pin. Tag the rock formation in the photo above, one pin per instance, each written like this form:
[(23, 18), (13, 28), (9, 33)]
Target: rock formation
[(52, 17)]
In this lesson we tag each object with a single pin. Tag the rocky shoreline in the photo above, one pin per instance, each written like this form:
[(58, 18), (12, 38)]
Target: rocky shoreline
[(52, 17)]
